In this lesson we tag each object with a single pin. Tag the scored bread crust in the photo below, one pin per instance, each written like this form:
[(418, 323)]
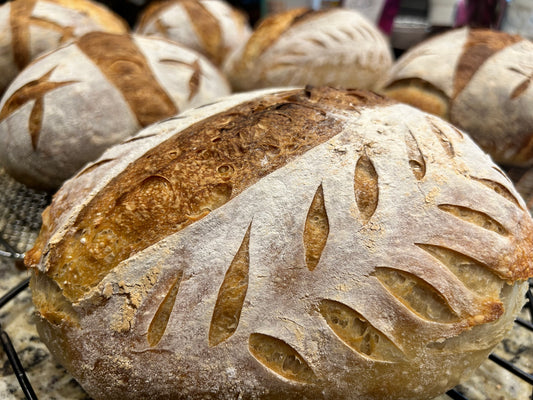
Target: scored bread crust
[(29, 28), (211, 27), (70, 105), (477, 79), (373, 252), (337, 47)]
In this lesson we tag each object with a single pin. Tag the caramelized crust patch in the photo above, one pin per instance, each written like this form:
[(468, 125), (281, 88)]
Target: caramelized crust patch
[(126, 67), (481, 44), (18, 18), (420, 94), (269, 30), (153, 8), (189, 175)]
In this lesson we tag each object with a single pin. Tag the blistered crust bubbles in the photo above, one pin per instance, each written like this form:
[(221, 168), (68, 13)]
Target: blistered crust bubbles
[(183, 179)]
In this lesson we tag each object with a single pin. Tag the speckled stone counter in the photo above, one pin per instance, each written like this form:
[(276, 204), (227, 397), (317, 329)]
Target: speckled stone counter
[(19, 224)]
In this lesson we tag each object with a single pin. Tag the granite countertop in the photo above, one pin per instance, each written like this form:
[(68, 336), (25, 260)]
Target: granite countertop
[(20, 210)]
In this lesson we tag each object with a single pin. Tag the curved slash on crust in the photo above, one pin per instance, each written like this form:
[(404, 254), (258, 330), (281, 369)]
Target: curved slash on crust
[(280, 358), (416, 294), (475, 217), (499, 189), (316, 230), (162, 315), (416, 158), (358, 334), (93, 166), (475, 275), (231, 295), (366, 188), (443, 139)]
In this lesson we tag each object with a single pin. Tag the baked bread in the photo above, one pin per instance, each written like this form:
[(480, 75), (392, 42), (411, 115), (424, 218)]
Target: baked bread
[(29, 28), (283, 244), (70, 105), (480, 81), (337, 47), (211, 27)]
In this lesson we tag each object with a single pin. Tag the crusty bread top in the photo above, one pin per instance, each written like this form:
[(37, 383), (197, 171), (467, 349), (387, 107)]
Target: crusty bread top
[(218, 158), (478, 79), (25, 13), (336, 47), (481, 45), (284, 244), (215, 26)]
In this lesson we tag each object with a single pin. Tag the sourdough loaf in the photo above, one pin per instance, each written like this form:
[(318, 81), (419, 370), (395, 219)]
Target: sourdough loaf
[(31, 27), (480, 81), (211, 27), (336, 47), (68, 106), (282, 244)]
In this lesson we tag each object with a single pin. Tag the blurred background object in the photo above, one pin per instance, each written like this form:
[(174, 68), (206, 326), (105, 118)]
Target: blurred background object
[(518, 18)]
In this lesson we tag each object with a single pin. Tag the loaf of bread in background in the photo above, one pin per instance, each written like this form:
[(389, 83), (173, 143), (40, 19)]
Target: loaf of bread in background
[(29, 28), (283, 244), (480, 81), (337, 47), (68, 106), (212, 27)]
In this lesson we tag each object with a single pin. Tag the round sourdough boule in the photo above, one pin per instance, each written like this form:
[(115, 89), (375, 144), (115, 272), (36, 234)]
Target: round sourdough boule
[(477, 79), (337, 47), (212, 27), (283, 244), (29, 28), (67, 107)]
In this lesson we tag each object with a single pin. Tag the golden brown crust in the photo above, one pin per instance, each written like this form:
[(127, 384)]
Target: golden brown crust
[(112, 22), (481, 44), (269, 30), (207, 29), (126, 67), (296, 239), (183, 179), (19, 15), (153, 8), (21, 19), (420, 94)]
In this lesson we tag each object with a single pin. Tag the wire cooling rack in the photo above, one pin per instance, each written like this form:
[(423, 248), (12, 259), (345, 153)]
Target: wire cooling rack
[(20, 220)]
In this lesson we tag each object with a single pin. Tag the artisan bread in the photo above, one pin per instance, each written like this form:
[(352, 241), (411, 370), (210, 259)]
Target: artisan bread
[(337, 47), (480, 81), (29, 28), (211, 27), (70, 105), (282, 244)]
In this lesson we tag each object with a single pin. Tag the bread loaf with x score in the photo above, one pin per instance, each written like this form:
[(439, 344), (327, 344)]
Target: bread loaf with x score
[(65, 108), (283, 244)]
